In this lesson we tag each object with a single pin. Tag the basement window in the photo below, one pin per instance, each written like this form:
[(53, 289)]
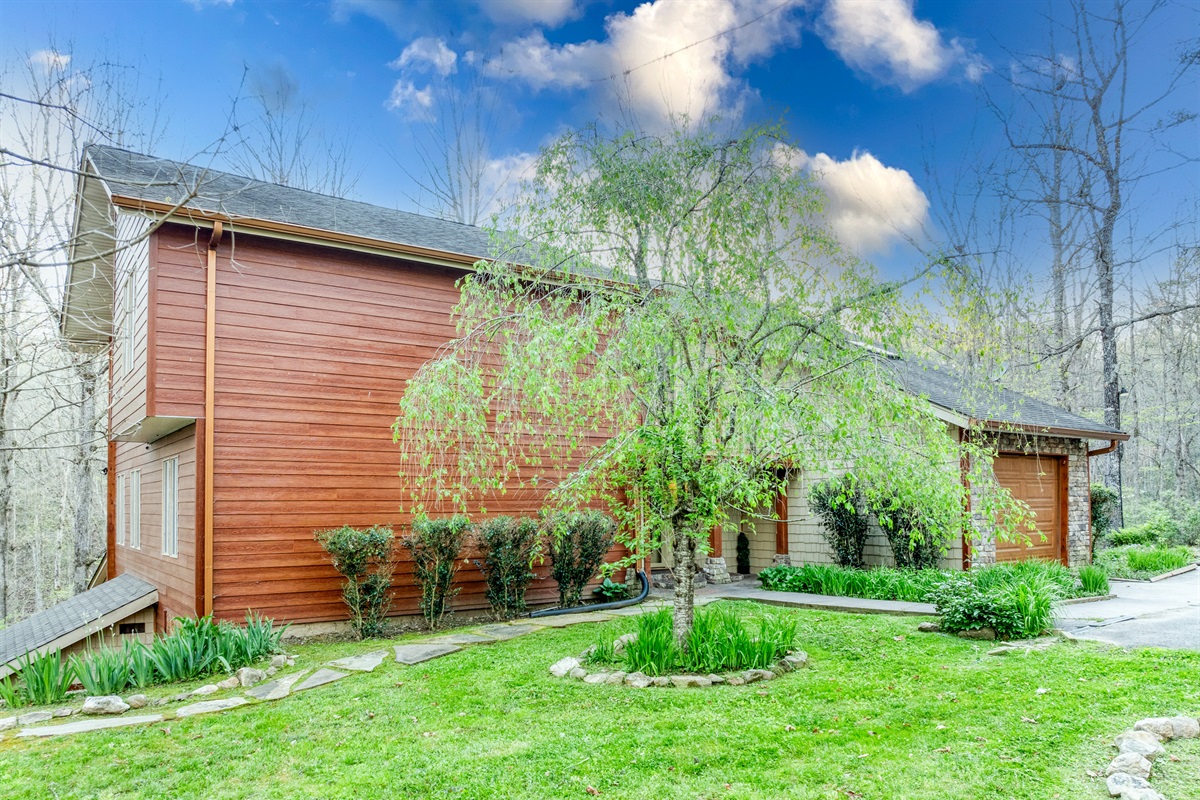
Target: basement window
[(130, 628)]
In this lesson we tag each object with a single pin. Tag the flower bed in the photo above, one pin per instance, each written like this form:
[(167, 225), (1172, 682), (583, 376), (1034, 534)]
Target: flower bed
[(1141, 562)]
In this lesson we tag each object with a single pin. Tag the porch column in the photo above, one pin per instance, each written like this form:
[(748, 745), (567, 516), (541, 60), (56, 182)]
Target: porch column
[(714, 564), (781, 528)]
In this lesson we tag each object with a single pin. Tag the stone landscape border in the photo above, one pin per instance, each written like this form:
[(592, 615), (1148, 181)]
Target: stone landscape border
[(1128, 775)]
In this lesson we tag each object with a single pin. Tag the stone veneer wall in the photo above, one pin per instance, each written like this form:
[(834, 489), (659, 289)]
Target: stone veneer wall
[(1079, 503)]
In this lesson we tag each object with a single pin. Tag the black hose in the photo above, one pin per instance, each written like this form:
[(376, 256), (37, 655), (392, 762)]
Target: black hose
[(554, 612)]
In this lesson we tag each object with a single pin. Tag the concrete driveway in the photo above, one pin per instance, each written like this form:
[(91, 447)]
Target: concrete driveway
[(1162, 614)]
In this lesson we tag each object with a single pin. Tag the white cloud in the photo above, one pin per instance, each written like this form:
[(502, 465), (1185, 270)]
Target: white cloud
[(50, 60), (200, 5), (669, 56), (414, 103), (541, 12), (427, 53), (884, 39), (501, 180), (870, 206)]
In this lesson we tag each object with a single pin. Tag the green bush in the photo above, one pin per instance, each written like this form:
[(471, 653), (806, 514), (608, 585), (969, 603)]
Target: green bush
[(743, 553), (11, 694), (1138, 562), (578, 543), (363, 556), (1022, 608), (104, 671), (1127, 536), (721, 640), (1104, 505), (46, 678), (435, 545), (610, 590), (839, 504), (1093, 580), (202, 646), (511, 546), (913, 545)]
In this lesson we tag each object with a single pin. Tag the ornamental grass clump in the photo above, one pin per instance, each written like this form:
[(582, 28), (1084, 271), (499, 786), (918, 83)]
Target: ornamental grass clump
[(46, 677), (1136, 562), (103, 671), (579, 541), (511, 546), (435, 545), (720, 640), (1093, 580), (364, 557)]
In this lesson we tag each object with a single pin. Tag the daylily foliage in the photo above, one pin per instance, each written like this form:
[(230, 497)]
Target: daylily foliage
[(671, 329)]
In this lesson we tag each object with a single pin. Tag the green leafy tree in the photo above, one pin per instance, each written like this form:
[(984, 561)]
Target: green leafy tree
[(668, 325)]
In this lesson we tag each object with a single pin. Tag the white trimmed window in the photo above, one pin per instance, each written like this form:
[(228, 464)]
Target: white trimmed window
[(170, 507), (119, 523), (128, 316), (135, 508)]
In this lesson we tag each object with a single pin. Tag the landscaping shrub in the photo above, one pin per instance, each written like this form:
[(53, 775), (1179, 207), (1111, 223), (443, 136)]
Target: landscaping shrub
[(201, 646), (511, 546), (578, 543), (839, 504), (1141, 534), (46, 678), (1138, 562), (609, 590), (1104, 505), (913, 546), (435, 545), (743, 554), (1093, 580), (1033, 599), (363, 556), (104, 671), (141, 666), (721, 640), (11, 694)]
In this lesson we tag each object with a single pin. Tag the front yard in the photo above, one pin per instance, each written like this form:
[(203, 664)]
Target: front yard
[(881, 712)]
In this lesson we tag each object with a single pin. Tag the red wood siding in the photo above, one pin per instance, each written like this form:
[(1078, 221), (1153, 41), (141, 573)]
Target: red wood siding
[(314, 346), (175, 577)]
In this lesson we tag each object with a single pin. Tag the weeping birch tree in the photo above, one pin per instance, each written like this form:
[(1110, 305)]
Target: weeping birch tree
[(669, 325)]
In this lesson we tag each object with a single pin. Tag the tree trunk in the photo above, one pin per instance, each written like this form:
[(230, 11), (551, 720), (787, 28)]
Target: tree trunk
[(684, 547), (87, 539)]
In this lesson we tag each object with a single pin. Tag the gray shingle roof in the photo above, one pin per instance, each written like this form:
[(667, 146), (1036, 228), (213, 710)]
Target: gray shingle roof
[(992, 404), (72, 615), (161, 180)]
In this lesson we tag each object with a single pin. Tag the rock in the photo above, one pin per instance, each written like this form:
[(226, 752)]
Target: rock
[(229, 683), (503, 633), (182, 696), (638, 680), (279, 661), (714, 679), (578, 673), (620, 642), (162, 701), (929, 627), (209, 706), (736, 680), (616, 678), (565, 620), (7, 722), (755, 675), (1131, 764), (137, 701), (418, 653), (1185, 728), (1143, 743), (105, 704), (1159, 726), (1118, 782), (206, 690), (563, 667), (65, 712), (271, 671), (661, 681), (85, 725), (365, 662), (797, 659), (1141, 794), (689, 681), (249, 676), (596, 678), (982, 634), (276, 689), (1066, 636), (34, 717), (291, 662), (320, 678), (465, 638)]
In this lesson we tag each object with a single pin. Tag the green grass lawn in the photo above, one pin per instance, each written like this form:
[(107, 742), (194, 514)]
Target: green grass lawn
[(882, 712)]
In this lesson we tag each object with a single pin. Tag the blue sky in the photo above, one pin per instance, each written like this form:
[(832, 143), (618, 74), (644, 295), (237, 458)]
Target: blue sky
[(872, 93)]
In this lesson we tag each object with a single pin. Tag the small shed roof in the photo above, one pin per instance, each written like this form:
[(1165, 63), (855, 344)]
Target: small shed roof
[(994, 406), (74, 619)]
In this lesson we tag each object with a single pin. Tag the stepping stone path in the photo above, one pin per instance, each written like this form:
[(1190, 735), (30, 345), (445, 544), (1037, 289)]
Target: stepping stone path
[(463, 638), (416, 653), (84, 725), (209, 706), (502, 633), (276, 689), (320, 678), (365, 662)]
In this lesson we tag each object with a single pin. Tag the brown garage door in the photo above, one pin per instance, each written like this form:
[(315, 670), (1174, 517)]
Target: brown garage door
[(1036, 480)]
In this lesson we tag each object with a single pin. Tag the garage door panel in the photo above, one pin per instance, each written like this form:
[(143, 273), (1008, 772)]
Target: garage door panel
[(1035, 480)]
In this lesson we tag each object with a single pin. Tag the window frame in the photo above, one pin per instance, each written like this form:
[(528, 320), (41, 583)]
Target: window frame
[(120, 521), (170, 507), (135, 509)]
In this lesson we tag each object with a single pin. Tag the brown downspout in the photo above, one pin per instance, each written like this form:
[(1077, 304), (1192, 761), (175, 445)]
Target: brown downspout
[(210, 352), (1111, 446)]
